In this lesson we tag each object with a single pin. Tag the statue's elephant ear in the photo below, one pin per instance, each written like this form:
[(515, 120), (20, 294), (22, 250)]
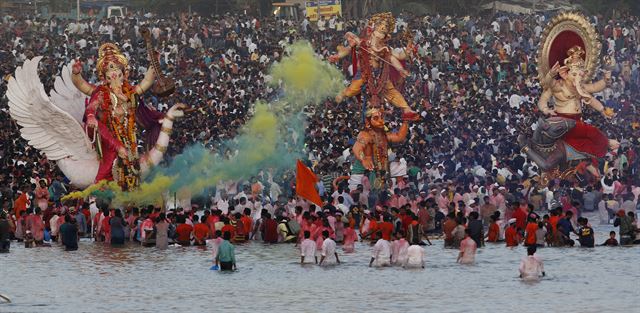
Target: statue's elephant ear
[(565, 31)]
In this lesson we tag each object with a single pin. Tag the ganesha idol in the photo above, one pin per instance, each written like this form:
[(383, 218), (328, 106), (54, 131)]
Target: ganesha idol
[(95, 139), (563, 144)]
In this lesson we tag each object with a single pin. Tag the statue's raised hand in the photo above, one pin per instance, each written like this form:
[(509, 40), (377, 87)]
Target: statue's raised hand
[(77, 67), (555, 69), (177, 110)]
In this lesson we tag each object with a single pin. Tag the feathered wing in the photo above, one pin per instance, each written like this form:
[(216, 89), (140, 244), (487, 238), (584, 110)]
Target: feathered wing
[(54, 129), (66, 96)]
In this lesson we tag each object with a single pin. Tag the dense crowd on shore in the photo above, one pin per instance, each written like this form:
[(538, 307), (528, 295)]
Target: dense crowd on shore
[(473, 83)]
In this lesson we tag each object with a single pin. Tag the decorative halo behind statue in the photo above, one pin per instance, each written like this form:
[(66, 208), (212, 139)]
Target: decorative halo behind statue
[(563, 32)]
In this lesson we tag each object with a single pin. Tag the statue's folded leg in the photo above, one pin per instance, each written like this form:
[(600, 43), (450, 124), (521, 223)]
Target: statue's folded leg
[(395, 97)]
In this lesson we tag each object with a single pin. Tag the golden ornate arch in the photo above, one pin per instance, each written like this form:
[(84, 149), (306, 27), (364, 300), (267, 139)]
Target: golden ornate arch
[(564, 31)]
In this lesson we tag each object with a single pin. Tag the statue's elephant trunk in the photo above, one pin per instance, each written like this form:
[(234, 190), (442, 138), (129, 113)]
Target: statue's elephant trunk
[(578, 84)]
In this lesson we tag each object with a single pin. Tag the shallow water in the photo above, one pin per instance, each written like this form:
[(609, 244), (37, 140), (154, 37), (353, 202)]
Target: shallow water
[(100, 278)]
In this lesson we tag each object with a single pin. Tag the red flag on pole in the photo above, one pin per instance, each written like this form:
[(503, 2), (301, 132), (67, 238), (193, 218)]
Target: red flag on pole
[(306, 184)]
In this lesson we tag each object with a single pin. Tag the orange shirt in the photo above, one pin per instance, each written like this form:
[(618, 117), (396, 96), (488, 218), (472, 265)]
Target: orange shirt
[(373, 229), (228, 228), (184, 232), (511, 237), (386, 228), (447, 228), (201, 231), (531, 233), (246, 223), (494, 231), (553, 220), (20, 205)]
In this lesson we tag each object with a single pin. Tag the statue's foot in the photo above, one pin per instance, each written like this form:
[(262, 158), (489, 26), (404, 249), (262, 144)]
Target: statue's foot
[(410, 116)]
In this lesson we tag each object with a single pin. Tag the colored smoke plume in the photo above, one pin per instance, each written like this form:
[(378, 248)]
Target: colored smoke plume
[(264, 141)]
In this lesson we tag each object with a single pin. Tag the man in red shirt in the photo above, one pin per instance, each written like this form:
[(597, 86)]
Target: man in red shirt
[(247, 222), (386, 228), (494, 230), (269, 229), (211, 222), (520, 214), (200, 232), (228, 227), (184, 231), (530, 232), (511, 236), (22, 203)]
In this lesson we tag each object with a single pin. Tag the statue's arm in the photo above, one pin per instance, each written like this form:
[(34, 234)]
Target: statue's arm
[(400, 55), (79, 81), (147, 81), (343, 51), (358, 147), (400, 135), (395, 62), (595, 87), (543, 103), (549, 79)]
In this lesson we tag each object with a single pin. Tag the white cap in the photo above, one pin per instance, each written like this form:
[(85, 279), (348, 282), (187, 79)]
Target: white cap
[(512, 220)]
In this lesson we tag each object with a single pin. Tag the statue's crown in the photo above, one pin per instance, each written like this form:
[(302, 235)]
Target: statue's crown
[(385, 17)]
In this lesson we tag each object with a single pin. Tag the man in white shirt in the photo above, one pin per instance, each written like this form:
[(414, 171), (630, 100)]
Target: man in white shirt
[(381, 253), (53, 222), (321, 23), (415, 257), (308, 249), (514, 101), (223, 203), (456, 43), (328, 248), (531, 267)]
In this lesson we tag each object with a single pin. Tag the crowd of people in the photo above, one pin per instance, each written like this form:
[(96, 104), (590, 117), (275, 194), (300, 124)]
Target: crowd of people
[(473, 83)]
